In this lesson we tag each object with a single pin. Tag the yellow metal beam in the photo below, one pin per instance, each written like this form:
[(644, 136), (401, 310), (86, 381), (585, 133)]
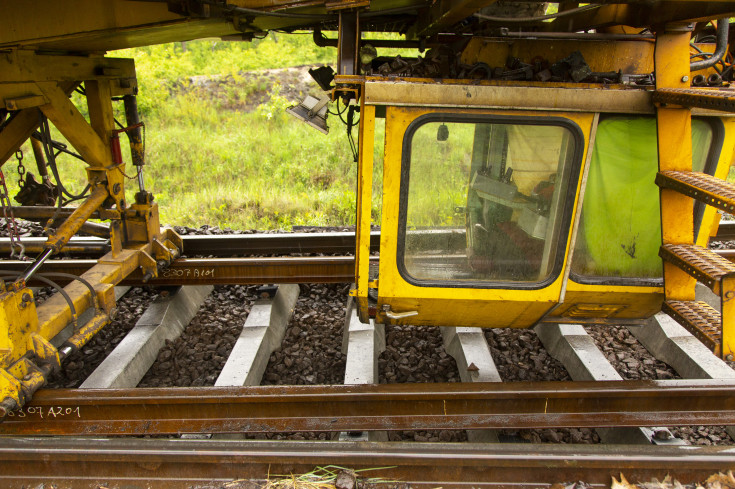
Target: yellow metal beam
[(20, 128), (71, 123), (21, 65), (364, 207), (674, 126)]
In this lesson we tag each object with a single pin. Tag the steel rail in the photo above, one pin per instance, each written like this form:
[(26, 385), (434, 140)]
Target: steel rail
[(375, 407), (223, 271), (68, 462), (231, 245)]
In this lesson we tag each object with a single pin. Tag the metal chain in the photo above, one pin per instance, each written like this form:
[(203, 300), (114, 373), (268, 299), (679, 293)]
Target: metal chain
[(21, 168), (13, 233)]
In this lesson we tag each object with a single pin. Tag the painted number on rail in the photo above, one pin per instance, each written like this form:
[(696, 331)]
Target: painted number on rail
[(46, 412), (188, 273)]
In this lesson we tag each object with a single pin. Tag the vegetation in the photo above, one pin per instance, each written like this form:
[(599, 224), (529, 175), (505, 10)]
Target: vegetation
[(216, 157)]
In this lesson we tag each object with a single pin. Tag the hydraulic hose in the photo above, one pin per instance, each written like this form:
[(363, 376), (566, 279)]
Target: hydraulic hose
[(723, 29)]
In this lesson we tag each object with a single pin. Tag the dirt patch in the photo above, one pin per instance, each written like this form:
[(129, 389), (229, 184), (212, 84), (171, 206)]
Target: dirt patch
[(249, 89)]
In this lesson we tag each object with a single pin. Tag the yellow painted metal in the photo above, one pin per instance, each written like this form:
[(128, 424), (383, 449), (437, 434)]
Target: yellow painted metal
[(634, 302), (20, 128), (71, 123), (711, 216), (632, 57), (507, 95), (674, 126), (16, 132), (23, 329), (94, 26), (25, 65), (727, 297), (74, 222), (456, 306), (364, 208)]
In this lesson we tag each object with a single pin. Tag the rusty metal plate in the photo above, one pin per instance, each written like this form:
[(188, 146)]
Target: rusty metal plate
[(705, 188)]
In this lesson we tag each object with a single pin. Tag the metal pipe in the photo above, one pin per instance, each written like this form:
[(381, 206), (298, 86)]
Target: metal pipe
[(75, 221), (322, 41), (723, 29), (574, 36), (69, 228), (43, 212), (37, 264), (40, 158), (81, 337)]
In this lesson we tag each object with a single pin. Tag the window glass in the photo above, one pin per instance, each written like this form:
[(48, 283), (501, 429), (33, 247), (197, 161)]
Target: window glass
[(484, 201), (620, 231)]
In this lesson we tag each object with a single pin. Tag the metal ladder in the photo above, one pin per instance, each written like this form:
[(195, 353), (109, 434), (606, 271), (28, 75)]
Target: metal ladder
[(684, 262)]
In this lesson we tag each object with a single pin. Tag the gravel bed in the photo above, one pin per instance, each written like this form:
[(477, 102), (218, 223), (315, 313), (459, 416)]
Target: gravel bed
[(416, 354), (311, 352), (197, 356), (628, 356), (520, 356), (81, 364), (634, 362)]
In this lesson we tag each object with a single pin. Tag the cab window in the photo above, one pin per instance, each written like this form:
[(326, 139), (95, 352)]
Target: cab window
[(486, 202)]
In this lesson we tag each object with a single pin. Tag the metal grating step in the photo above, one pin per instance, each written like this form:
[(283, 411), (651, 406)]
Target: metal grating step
[(723, 100), (705, 188), (706, 266), (699, 319)]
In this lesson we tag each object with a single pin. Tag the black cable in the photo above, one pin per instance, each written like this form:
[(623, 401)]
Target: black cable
[(704, 55), (60, 147), (14, 276), (77, 278), (350, 124), (339, 112), (51, 156)]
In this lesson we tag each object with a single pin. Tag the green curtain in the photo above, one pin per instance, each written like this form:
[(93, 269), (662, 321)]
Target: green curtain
[(620, 233)]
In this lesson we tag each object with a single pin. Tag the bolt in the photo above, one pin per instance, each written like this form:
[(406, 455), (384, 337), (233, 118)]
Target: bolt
[(25, 299), (684, 79), (662, 435), (116, 188), (6, 406), (729, 357)]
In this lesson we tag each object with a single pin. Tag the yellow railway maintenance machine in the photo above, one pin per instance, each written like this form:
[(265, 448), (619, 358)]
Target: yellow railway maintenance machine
[(520, 158)]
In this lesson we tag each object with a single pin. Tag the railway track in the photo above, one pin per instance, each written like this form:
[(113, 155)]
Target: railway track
[(355, 417)]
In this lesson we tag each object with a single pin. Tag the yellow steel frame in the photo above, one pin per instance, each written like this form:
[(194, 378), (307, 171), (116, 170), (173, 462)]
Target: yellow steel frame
[(364, 208), (461, 306), (33, 84), (564, 300)]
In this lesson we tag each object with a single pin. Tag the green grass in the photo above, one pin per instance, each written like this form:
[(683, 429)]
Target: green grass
[(209, 162)]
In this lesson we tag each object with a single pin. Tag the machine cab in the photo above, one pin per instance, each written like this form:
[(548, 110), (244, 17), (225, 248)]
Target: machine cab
[(499, 217)]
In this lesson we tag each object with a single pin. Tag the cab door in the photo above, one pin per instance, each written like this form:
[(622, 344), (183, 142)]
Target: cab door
[(478, 208)]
